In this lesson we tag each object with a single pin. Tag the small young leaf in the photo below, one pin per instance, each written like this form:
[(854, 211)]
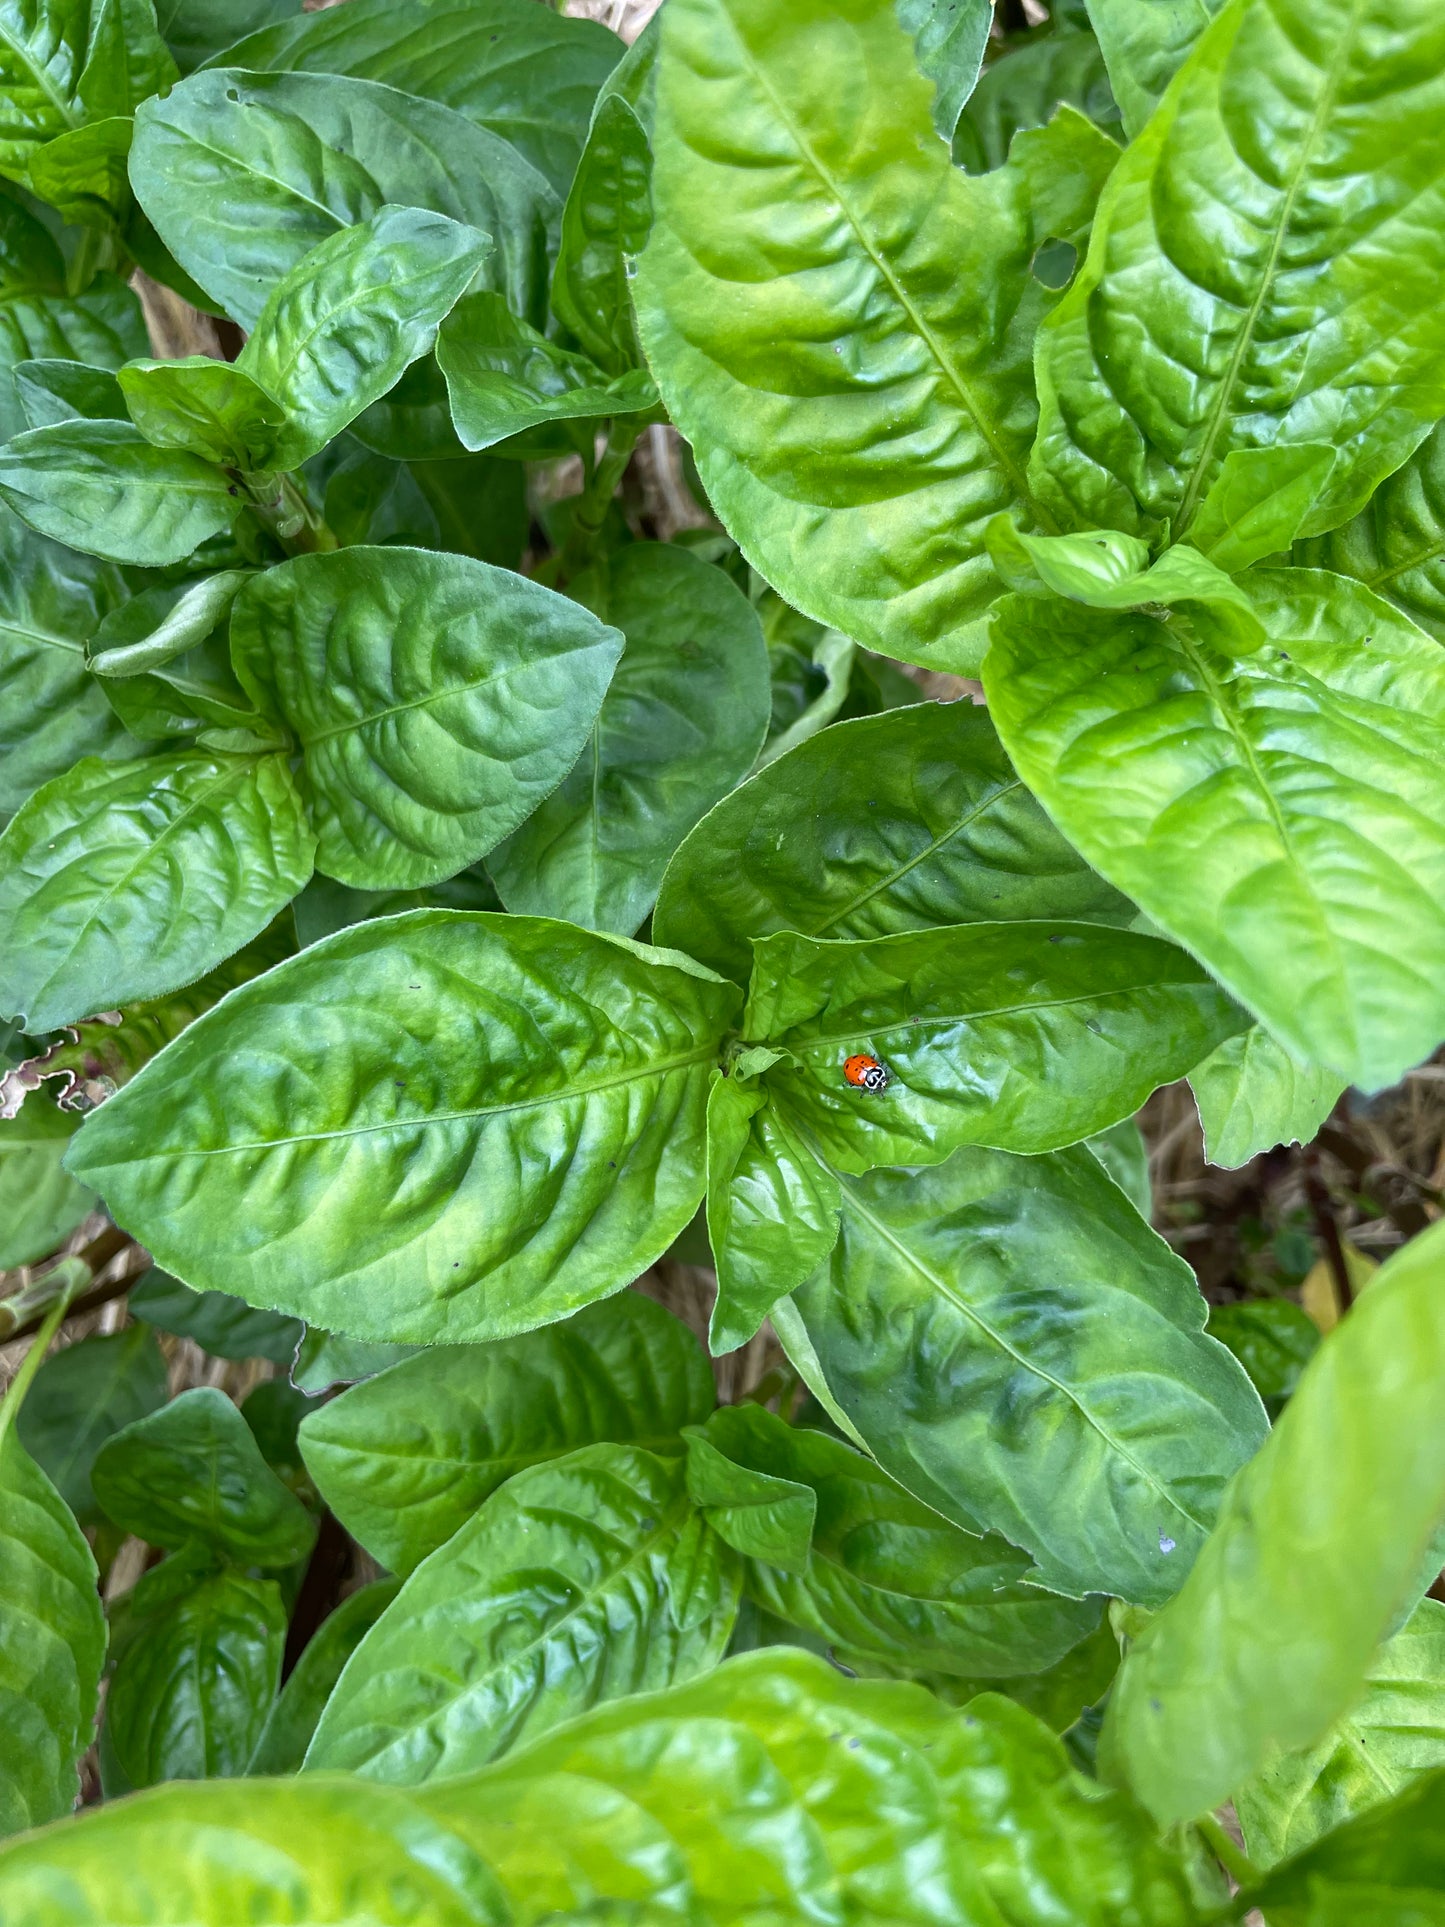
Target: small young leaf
[(949, 39), (760, 1513), (80, 1397), (1252, 1095), (103, 488), (211, 408), (608, 215), (66, 391), (82, 174), (40, 1203), (155, 627), (1025, 87), (1259, 501)]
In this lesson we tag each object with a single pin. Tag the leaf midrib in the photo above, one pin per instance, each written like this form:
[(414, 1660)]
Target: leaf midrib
[(913, 1025), (41, 78)]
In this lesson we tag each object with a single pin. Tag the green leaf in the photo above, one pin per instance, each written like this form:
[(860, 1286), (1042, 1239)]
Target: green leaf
[(1226, 303), (1318, 1546), (211, 408), (193, 1687), (1257, 504), (888, 1580), (1280, 810), (682, 721), (1396, 544), (196, 29), (529, 76), (504, 378), (56, 390), (159, 625), (52, 1640), (1385, 1866), (82, 174), (1024, 87), (342, 327), (1145, 42), (1389, 1738), (419, 1192), (40, 1203), (80, 1397), (224, 1326), (215, 1852), (949, 40), (39, 321), (1125, 1156), (1021, 1352), (1057, 1696), (325, 1359), (437, 701), (1252, 1095), (293, 1717), (812, 671), (119, 883), (244, 173), (756, 1510), (972, 1025), (103, 488), (324, 907), (1273, 1339), (583, 1580), (840, 322), (890, 823), (405, 1459), (65, 62), (192, 1472)]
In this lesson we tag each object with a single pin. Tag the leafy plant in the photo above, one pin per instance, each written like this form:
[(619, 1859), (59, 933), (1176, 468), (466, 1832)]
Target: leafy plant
[(464, 850)]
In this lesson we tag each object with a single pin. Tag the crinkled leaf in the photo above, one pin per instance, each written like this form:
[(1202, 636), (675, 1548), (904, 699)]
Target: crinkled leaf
[(126, 882), (587, 1579), (840, 322), (193, 1471), (40, 1203), (1261, 497), (682, 721), (211, 408), (1107, 570), (405, 1459), (373, 1177), (192, 1690), (103, 488), (973, 1024), (292, 1720), (437, 701), (890, 823), (1317, 1548), (56, 390), (39, 320), (1252, 1095), (1020, 1351), (1282, 814), (64, 62), (1396, 544), (224, 1326), (1145, 43), (82, 1395)]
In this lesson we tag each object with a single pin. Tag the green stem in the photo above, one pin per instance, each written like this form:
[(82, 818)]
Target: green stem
[(595, 500), (1234, 1860), (20, 1384), (281, 507)]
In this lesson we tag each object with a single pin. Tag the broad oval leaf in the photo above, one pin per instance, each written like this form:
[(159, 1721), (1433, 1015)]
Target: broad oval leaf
[(244, 173), (40, 1203), (1273, 1635), (437, 700), (406, 1458), (1226, 303), (192, 1471), (292, 1719), (1019, 1350), (1396, 544), (1252, 1095), (193, 1686), (840, 322), (371, 1176), (103, 488), (584, 1580), (1277, 813), (893, 822), (123, 882), (83, 1395), (682, 721), (974, 1025), (52, 1641)]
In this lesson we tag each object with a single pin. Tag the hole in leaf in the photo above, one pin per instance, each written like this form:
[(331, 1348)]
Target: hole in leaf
[(1054, 264)]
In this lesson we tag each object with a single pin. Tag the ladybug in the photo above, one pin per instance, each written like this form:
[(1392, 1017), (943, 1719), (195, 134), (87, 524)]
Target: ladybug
[(866, 1073)]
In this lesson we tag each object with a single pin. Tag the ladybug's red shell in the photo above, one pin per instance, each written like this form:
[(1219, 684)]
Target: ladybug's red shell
[(866, 1073)]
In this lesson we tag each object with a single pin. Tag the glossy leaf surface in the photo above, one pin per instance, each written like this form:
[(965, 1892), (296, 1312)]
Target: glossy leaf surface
[(1396, 544), (1283, 810), (126, 882), (40, 1203), (1273, 1339), (292, 1719), (1020, 1351), (890, 823), (580, 1581), (80, 1397), (974, 1026), (406, 1458), (64, 62), (103, 488), (419, 1191), (212, 408), (1274, 1633), (840, 322), (1252, 1095), (1385, 1866), (1145, 42), (55, 390), (683, 719), (949, 40), (1024, 87), (38, 320), (436, 699), (192, 1472)]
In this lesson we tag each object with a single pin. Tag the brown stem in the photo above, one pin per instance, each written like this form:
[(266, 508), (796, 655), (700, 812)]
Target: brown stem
[(320, 1590), (1327, 1229)]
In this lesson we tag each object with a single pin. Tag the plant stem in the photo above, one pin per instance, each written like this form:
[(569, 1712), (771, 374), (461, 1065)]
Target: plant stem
[(596, 498), (1231, 1856), (285, 513), (20, 1384)]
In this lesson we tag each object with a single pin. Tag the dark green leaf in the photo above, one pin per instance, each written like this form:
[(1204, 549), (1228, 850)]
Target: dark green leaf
[(224, 1326), (682, 721), (274, 1410), (1145, 43), (1273, 1339), (480, 504), (121, 883), (103, 488), (405, 1459), (1252, 1095), (1057, 1696), (292, 1720), (40, 1203), (1396, 544), (583, 1580), (192, 1472), (1125, 1156), (949, 38), (197, 29), (840, 322), (208, 407), (1024, 88), (437, 701), (325, 906), (82, 174), (159, 625), (373, 1177), (192, 1690), (894, 822), (244, 173), (62, 391), (82, 1395), (65, 62), (972, 1024), (1318, 1547), (1020, 1351), (503, 378), (325, 1359), (103, 327)]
